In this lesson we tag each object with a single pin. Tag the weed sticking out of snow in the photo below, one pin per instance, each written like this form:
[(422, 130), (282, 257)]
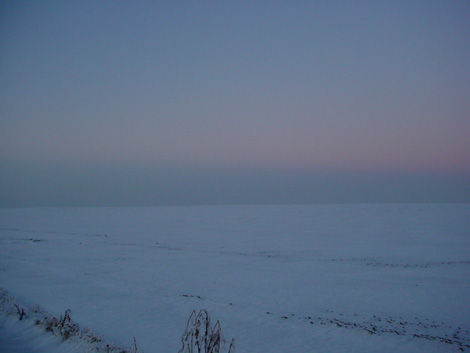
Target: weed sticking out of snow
[(201, 337)]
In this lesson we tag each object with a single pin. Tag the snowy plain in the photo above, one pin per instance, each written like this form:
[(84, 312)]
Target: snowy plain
[(288, 278)]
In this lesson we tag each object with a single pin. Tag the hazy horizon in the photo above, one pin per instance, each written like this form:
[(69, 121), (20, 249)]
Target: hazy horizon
[(70, 187), (114, 103)]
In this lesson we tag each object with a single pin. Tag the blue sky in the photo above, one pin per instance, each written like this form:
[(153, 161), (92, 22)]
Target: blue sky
[(196, 102)]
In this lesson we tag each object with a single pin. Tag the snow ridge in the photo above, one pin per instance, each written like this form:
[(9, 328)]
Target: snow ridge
[(62, 326)]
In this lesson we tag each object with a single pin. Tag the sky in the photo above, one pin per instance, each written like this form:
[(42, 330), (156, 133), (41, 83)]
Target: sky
[(123, 103)]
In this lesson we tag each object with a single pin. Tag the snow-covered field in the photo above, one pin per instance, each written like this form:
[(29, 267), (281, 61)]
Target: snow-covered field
[(306, 278)]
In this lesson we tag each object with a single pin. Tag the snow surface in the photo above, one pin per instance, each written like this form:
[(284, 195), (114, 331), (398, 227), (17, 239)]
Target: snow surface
[(304, 278)]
